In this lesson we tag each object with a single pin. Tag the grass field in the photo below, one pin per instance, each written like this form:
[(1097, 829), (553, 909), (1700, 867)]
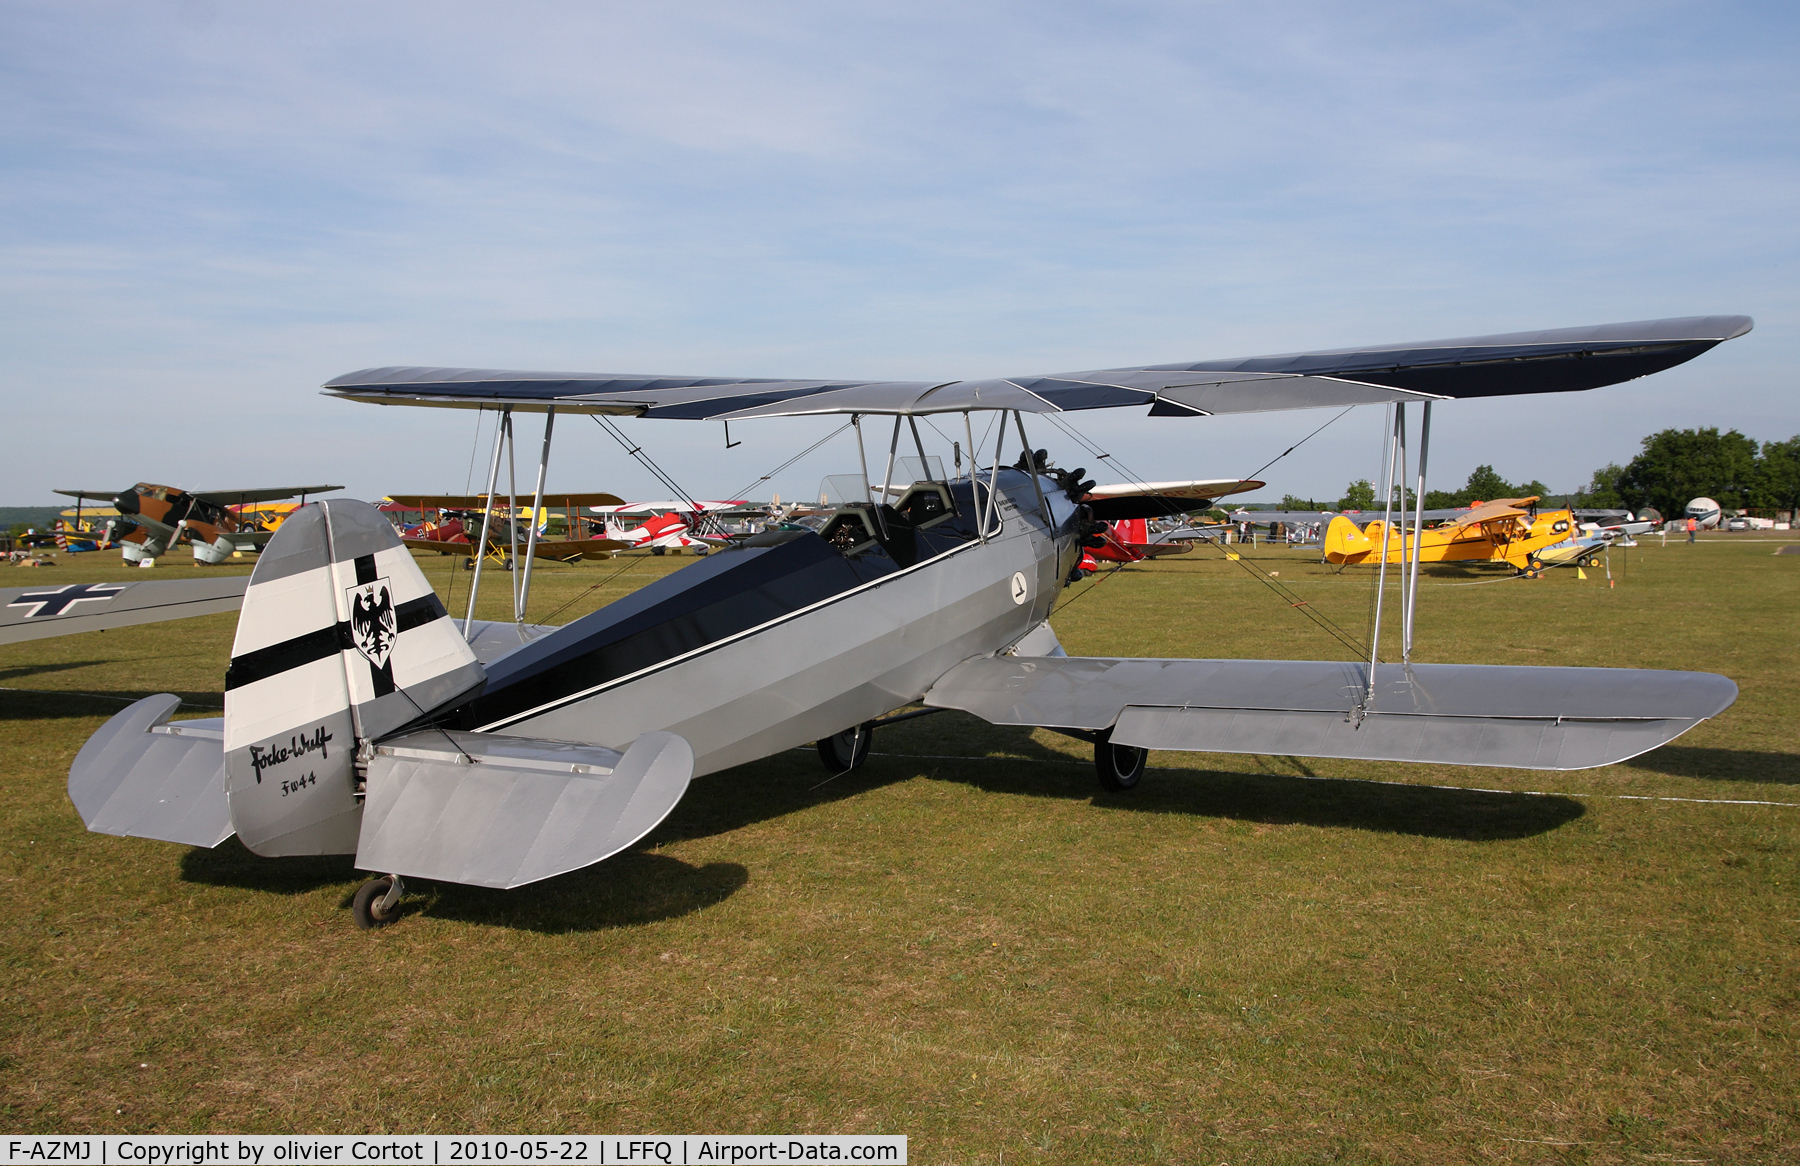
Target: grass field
[(967, 942)]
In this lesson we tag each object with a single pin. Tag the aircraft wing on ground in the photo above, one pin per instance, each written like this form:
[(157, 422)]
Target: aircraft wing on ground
[(30, 613), (1450, 714), (1555, 360)]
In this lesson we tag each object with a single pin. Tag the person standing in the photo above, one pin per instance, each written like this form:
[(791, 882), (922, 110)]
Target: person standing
[(1693, 525)]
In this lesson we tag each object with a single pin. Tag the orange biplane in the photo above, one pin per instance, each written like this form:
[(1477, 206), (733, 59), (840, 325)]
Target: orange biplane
[(509, 524)]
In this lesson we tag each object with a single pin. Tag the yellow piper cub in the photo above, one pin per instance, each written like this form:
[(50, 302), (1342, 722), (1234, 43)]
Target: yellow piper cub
[(1502, 531)]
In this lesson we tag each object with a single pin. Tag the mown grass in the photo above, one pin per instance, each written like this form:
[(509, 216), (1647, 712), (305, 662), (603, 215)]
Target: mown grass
[(968, 943)]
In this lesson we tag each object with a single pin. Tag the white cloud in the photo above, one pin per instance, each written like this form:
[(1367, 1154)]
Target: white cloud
[(216, 207)]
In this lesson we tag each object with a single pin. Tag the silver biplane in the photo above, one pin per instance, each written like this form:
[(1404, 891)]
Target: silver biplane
[(360, 718)]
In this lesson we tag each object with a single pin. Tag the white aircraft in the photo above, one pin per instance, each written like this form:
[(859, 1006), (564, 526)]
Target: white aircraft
[(667, 526), (1704, 511)]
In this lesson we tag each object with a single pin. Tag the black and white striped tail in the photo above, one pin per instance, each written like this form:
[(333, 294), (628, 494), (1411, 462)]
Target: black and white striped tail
[(340, 641)]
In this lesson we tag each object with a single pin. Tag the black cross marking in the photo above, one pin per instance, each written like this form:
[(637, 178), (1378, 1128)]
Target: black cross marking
[(60, 599), (383, 677)]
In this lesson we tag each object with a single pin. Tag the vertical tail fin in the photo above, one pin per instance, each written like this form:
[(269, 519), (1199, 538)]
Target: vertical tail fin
[(341, 641), (1346, 544)]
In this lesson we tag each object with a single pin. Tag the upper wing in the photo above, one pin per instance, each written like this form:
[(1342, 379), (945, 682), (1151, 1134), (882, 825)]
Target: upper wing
[(1208, 488), (480, 501), (1453, 714), (266, 494), (1558, 360), (1160, 499), (30, 613), (617, 507)]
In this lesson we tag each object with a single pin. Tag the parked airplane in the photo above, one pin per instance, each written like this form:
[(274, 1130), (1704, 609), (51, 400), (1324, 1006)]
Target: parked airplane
[(505, 529), (1704, 511), (670, 526), (158, 517), (1507, 530), (358, 720)]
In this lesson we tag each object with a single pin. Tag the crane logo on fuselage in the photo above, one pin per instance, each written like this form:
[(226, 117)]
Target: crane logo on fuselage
[(1021, 591)]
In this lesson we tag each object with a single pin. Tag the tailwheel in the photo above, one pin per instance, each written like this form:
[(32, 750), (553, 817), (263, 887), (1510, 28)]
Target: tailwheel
[(1120, 766), (842, 752), (377, 903)]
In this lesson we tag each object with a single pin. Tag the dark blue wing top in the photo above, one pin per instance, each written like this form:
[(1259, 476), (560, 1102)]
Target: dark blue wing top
[(1554, 361)]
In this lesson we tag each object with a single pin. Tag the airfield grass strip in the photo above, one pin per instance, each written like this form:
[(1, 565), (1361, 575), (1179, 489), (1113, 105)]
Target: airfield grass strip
[(1234, 962)]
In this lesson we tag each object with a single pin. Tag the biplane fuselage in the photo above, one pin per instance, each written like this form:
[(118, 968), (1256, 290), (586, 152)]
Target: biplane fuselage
[(787, 637)]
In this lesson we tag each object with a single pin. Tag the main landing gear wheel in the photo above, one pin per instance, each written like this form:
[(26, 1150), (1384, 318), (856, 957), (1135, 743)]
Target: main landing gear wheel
[(842, 752), (1534, 568), (1120, 766), (377, 903)]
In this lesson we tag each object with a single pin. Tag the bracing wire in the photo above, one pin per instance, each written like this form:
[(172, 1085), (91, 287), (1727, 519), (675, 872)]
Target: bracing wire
[(584, 594), (469, 478), (1289, 597), (644, 459), (745, 492)]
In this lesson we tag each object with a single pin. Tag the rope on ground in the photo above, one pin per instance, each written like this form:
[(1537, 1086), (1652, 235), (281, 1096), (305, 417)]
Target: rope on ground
[(584, 594), (1325, 623)]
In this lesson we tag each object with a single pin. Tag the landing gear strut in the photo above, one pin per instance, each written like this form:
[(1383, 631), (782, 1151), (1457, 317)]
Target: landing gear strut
[(377, 902), (842, 752), (1120, 766)]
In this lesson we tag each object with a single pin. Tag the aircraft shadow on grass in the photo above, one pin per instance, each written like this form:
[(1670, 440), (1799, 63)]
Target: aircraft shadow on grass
[(21, 671), (795, 781), (633, 888), (32, 706), (1747, 765)]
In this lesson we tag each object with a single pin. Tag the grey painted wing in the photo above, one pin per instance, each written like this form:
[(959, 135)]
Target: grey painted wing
[(1454, 714), (30, 613), (1556, 360), (495, 811), (145, 778)]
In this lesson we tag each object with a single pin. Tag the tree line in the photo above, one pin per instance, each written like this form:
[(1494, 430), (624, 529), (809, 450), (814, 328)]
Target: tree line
[(1674, 467)]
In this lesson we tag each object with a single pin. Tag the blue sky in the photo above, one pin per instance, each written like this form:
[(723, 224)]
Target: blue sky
[(207, 209)]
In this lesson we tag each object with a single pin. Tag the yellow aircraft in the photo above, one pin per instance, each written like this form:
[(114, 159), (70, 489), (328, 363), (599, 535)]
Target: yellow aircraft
[(1502, 531)]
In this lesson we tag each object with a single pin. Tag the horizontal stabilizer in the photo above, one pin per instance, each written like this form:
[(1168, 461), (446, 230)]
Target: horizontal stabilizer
[(495, 811), (1450, 714), (143, 777), (494, 638)]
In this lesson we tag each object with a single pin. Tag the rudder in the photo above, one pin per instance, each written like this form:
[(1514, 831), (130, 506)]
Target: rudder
[(341, 640)]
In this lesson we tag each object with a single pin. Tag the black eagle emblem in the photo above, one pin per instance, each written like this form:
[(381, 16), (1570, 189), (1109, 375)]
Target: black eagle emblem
[(373, 627)]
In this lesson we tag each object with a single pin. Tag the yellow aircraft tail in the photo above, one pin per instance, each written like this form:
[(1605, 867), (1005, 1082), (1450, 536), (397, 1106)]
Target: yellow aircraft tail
[(1346, 544)]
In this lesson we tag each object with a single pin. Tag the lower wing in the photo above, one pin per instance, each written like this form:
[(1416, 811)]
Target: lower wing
[(1451, 714)]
